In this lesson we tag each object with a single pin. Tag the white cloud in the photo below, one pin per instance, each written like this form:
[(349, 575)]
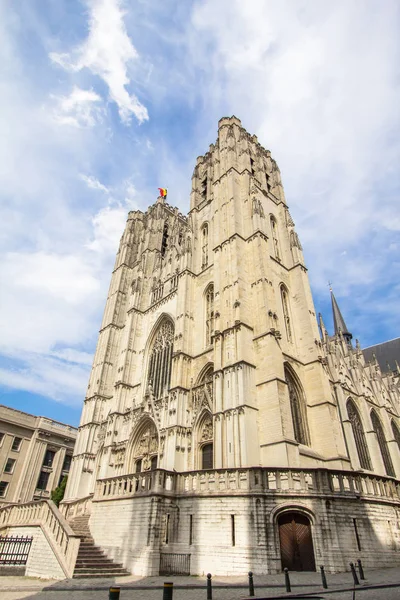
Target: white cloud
[(108, 225), (93, 183), (80, 109), (107, 52)]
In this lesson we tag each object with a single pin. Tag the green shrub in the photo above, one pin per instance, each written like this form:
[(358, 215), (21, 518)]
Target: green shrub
[(58, 493)]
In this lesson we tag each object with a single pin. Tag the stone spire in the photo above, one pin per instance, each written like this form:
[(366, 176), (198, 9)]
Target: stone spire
[(338, 321)]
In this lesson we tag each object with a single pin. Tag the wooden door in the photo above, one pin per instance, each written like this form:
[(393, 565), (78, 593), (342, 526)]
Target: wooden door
[(297, 551)]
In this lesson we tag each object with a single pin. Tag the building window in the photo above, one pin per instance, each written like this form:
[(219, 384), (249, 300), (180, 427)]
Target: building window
[(16, 445), (207, 456), (10, 464), (387, 461), (67, 462), (3, 488), (48, 458), (298, 408), (161, 359), (204, 246), (138, 466), (43, 480), (209, 314), (145, 449), (359, 437), (1, 438), (275, 239), (252, 166), (164, 243), (153, 463), (204, 189), (396, 433), (286, 313)]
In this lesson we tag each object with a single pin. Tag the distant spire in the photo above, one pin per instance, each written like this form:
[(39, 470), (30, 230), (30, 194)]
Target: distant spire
[(338, 320)]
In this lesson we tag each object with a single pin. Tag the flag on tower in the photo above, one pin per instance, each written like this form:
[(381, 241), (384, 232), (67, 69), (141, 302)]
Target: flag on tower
[(163, 192)]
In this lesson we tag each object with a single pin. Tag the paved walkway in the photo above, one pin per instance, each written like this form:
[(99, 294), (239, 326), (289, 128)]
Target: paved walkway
[(193, 588)]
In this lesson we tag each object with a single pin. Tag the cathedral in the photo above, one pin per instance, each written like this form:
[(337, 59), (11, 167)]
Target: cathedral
[(224, 429)]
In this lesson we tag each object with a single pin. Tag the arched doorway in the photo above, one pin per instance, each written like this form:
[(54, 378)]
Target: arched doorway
[(297, 551)]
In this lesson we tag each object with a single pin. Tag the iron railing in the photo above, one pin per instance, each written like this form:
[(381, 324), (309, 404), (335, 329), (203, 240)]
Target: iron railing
[(14, 550), (174, 564)]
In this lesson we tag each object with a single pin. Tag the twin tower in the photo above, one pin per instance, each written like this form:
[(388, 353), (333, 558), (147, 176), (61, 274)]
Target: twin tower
[(210, 369)]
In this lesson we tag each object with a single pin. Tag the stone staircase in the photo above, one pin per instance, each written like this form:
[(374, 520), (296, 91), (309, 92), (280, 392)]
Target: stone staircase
[(91, 561)]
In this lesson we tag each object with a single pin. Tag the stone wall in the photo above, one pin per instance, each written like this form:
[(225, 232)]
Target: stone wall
[(42, 561)]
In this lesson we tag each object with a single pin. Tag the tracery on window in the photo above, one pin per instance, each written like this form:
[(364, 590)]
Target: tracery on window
[(145, 453), (359, 436), (275, 240), (160, 359), (298, 408), (165, 237), (206, 434), (387, 461), (286, 313), (204, 246), (396, 433), (209, 314)]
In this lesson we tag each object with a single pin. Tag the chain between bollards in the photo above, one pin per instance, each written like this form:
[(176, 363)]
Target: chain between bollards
[(360, 568), (353, 572), (251, 584), (287, 579), (209, 587), (168, 590), (323, 577), (113, 593)]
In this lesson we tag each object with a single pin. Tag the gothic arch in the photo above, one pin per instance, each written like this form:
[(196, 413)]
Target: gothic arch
[(275, 236), (204, 242), (143, 447), (204, 441), (387, 461), (359, 435), (159, 356), (396, 432), (297, 405), (205, 374)]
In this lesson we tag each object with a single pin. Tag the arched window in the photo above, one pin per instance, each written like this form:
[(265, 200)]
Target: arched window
[(298, 407), (164, 239), (275, 238), (160, 359), (209, 314), (206, 443), (396, 433), (286, 313), (387, 461), (359, 436), (204, 246)]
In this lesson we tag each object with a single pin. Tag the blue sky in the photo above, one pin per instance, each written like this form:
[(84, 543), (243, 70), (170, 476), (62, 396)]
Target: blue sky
[(102, 101)]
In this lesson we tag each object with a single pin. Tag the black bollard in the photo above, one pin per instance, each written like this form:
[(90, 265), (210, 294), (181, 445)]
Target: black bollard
[(251, 584), (113, 593), (360, 568), (287, 579), (323, 577), (168, 590), (353, 572), (209, 587)]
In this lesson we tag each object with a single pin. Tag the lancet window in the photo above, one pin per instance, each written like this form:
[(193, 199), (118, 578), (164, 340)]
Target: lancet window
[(204, 246), (206, 443), (209, 314), (275, 239), (164, 239), (396, 433), (298, 408), (286, 313), (387, 461), (359, 436), (160, 359)]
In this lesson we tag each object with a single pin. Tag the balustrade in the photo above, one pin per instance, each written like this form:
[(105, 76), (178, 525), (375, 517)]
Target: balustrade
[(261, 480), (44, 514)]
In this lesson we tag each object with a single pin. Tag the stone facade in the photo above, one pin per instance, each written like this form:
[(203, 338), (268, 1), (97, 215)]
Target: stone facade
[(35, 454), (210, 360)]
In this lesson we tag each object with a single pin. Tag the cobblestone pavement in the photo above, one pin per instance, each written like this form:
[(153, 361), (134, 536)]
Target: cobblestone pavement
[(193, 588)]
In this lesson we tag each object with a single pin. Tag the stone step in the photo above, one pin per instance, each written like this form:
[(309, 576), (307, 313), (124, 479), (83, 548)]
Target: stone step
[(99, 572), (83, 564), (98, 575)]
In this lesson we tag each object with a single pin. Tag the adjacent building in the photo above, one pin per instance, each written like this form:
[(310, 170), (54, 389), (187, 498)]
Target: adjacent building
[(35, 455)]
